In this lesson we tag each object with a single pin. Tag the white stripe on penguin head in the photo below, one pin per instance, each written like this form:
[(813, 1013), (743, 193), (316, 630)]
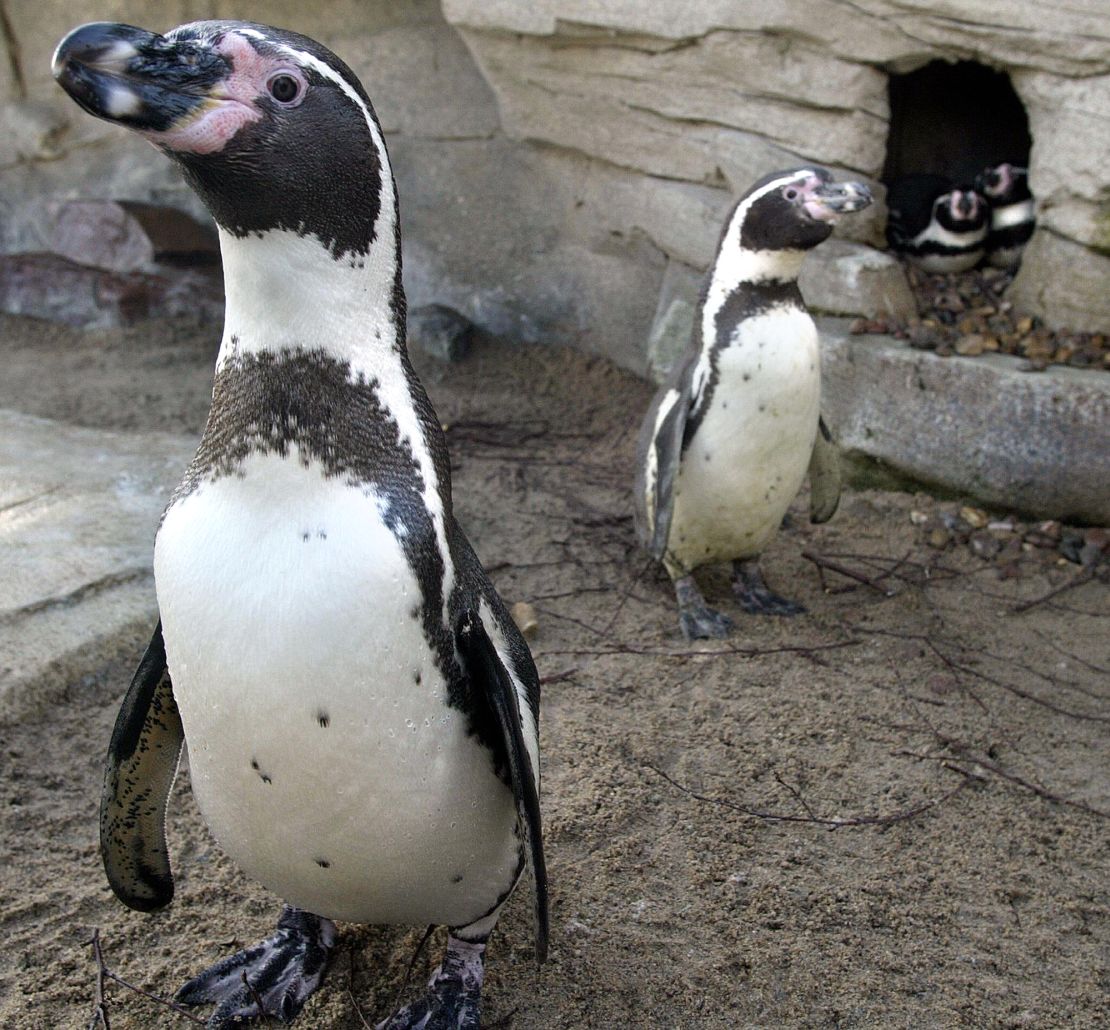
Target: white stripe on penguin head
[(735, 265)]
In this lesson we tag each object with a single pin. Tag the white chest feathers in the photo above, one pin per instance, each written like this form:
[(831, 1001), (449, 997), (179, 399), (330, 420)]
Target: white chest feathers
[(749, 453), (322, 750)]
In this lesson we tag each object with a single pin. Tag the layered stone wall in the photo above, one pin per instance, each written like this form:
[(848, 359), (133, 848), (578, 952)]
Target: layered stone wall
[(712, 94), (564, 165)]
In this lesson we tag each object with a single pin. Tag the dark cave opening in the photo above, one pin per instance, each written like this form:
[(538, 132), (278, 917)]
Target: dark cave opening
[(954, 120)]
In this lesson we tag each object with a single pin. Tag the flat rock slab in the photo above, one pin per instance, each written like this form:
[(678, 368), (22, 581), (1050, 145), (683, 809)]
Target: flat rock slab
[(78, 513), (1035, 443)]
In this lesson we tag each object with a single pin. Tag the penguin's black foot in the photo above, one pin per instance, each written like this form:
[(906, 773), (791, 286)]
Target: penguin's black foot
[(697, 619), (704, 623), (280, 973), (454, 993), (753, 594)]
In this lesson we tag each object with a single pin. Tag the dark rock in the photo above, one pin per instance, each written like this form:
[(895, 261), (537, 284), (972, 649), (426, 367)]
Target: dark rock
[(1090, 555), (126, 236), (1098, 537), (923, 337), (1072, 543), (985, 544), (938, 538), (54, 288), (440, 331)]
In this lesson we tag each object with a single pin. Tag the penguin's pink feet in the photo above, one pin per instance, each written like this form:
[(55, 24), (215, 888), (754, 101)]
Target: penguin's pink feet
[(271, 978), (454, 993)]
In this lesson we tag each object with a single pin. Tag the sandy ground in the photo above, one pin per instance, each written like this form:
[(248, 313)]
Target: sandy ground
[(891, 811)]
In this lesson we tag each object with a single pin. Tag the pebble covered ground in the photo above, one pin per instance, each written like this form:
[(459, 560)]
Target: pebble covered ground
[(966, 313)]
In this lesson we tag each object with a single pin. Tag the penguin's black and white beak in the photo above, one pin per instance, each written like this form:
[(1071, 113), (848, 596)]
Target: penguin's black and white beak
[(827, 201), (188, 92), (964, 205), (137, 78)]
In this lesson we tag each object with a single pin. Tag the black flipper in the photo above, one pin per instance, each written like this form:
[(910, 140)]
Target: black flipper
[(140, 769), (487, 673)]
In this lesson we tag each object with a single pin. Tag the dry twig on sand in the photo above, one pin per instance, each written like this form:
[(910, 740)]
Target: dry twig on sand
[(833, 824), (100, 1015)]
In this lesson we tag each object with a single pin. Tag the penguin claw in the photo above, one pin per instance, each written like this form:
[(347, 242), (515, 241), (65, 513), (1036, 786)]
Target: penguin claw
[(272, 978), (454, 993), (704, 623)]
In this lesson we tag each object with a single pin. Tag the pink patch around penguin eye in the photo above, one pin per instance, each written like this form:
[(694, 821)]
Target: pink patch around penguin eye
[(231, 104)]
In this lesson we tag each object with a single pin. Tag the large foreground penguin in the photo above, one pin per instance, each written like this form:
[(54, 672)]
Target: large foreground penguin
[(360, 710), (727, 440)]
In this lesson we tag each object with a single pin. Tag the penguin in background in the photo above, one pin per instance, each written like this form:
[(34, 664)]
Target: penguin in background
[(728, 439), (936, 225), (1013, 213), (360, 710)]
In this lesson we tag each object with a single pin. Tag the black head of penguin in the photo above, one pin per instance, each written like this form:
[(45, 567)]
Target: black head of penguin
[(272, 130), (961, 211), (1003, 184), (796, 209)]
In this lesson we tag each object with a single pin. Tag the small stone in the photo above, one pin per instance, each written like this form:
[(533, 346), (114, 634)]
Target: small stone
[(1051, 528), (976, 518), (990, 344), (923, 337), (918, 518), (1024, 325), (524, 615), (1072, 544), (1098, 537), (970, 346), (985, 544), (938, 538)]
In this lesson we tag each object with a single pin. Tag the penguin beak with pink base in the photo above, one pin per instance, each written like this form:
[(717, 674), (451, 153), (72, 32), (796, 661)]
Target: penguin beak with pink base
[(826, 201), (186, 93)]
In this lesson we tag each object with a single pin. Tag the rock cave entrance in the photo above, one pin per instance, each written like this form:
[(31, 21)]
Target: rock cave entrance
[(954, 120)]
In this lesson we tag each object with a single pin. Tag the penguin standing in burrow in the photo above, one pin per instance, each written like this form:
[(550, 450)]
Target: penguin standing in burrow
[(1013, 213), (937, 226), (360, 710), (728, 439)]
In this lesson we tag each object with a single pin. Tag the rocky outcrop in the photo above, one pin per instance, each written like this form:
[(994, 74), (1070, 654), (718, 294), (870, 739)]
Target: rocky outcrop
[(983, 428), (556, 160), (716, 93)]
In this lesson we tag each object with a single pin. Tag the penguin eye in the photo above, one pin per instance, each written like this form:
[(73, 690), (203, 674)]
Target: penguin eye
[(284, 88), (790, 193)]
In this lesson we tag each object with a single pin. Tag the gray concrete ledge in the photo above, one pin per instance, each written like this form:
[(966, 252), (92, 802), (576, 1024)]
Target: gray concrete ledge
[(78, 513), (1035, 443)]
